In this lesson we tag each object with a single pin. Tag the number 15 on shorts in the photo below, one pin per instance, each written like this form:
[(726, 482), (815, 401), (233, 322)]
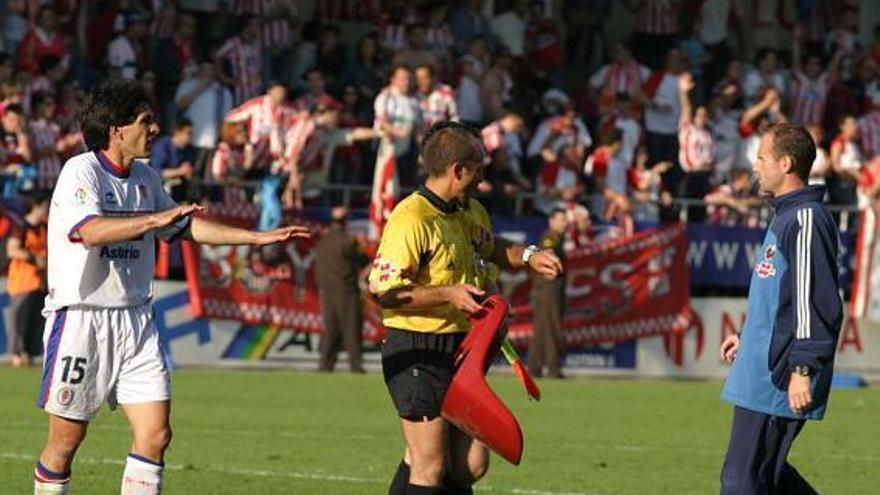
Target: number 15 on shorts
[(73, 369)]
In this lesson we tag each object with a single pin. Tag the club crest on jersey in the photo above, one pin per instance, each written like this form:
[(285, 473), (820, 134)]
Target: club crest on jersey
[(65, 396), (765, 268), (109, 198)]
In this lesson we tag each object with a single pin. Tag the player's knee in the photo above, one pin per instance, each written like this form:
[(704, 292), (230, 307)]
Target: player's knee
[(478, 469), (154, 441)]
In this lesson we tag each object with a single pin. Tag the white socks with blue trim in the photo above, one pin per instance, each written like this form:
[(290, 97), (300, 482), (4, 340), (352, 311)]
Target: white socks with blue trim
[(142, 476), (50, 482)]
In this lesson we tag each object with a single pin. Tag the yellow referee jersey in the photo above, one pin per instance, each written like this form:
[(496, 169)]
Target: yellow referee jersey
[(430, 242)]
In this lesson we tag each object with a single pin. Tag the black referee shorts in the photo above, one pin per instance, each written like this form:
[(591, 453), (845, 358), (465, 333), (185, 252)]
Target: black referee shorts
[(418, 368)]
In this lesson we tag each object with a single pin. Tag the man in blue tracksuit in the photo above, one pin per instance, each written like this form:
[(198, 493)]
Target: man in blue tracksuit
[(783, 359)]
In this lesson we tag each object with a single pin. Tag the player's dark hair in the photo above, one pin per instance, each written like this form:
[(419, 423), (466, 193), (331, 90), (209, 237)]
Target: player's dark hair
[(114, 103), (556, 211), (794, 141), (448, 142)]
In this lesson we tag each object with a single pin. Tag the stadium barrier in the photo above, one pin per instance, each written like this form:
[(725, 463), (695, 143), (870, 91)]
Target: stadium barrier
[(193, 341)]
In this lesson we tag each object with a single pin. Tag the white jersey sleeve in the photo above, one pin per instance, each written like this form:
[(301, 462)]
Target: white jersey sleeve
[(76, 199)]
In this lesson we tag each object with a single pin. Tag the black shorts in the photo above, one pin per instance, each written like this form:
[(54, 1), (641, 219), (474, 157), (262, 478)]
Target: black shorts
[(418, 368)]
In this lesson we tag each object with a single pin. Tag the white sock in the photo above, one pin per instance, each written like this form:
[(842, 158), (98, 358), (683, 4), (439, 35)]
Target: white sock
[(142, 476), (49, 482)]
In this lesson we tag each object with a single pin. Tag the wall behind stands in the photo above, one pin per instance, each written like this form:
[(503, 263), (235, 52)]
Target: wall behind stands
[(199, 342)]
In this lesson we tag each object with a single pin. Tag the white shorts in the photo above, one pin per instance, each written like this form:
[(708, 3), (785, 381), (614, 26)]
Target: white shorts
[(94, 355)]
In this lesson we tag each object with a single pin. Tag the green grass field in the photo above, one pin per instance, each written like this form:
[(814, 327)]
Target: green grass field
[(284, 432)]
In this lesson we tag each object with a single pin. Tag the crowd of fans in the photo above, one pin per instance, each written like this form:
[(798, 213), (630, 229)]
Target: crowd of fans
[(255, 92)]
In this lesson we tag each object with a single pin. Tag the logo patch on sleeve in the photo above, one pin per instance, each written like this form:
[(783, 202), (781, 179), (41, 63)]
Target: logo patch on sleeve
[(765, 268)]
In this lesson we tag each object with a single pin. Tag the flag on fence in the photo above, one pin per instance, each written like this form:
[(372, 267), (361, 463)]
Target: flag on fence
[(865, 300), (386, 188)]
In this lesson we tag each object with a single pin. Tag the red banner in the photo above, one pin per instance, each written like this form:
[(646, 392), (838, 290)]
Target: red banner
[(617, 290)]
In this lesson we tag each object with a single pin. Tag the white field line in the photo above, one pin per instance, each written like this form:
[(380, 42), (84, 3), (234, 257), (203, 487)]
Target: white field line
[(266, 473)]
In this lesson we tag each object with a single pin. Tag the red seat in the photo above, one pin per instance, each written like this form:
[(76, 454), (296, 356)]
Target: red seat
[(470, 404)]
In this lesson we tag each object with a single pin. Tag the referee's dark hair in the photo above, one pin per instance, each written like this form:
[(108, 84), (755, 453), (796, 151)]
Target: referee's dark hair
[(448, 142), (114, 103), (794, 141)]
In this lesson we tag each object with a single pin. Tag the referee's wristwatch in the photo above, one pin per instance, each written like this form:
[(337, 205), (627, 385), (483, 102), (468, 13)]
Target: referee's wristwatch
[(528, 253), (802, 370)]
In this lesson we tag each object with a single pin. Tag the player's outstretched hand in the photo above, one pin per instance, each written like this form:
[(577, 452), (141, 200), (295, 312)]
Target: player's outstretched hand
[(282, 234), (546, 263), (799, 397), (729, 348), (462, 297), (175, 214)]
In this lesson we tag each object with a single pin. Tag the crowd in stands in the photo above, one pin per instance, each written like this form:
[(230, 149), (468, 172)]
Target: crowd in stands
[(288, 99)]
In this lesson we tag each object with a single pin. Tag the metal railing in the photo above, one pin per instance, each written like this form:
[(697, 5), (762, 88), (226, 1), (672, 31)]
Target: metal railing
[(846, 215)]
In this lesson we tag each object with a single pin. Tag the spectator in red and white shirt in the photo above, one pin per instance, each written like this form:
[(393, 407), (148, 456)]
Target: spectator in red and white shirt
[(232, 162), (734, 203), (311, 141), (810, 85), (655, 29), (626, 118), (869, 185), (561, 178), (274, 16), (646, 184), (436, 99), (847, 162), (623, 74), (317, 92), (568, 124), (504, 175), (267, 118), (869, 133), (696, 150), (663, 109), (767, 75), (245, 59), (48, 143), (609, 175), (43, 39), (397, 113)]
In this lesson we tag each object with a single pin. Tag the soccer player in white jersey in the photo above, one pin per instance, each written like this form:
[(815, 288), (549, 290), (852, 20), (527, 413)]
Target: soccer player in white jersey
[(100, 339)]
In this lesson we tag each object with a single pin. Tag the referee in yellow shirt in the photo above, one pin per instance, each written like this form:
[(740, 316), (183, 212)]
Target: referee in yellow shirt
[(427, 276)]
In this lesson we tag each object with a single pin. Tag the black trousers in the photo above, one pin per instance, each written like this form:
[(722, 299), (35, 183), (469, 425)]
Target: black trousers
[(341, 310), (756, 461)]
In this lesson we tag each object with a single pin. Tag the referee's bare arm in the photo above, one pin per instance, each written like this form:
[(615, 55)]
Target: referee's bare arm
[(461, 296), (100, 230), (510, 255)]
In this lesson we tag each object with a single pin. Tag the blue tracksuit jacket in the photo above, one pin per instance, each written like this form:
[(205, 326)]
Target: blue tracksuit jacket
[(794, 312)]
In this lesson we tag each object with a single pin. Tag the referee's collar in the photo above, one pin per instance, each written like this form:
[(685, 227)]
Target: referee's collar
[(437, 201)]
